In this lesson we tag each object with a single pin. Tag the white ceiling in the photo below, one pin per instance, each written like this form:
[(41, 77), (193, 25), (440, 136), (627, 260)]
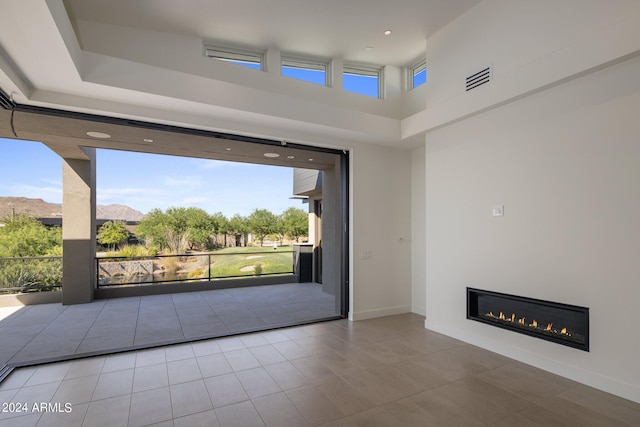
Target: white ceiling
[(326, 28), (43, 63)]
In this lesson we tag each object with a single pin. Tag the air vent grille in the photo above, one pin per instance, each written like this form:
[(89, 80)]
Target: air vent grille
[(479, 78)]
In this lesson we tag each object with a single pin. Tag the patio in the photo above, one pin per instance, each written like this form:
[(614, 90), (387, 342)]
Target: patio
[(48, 332)]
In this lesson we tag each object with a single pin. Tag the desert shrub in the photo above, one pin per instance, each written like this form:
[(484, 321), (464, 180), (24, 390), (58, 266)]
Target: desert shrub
[(195, 274), (23, 236), (31, 275), (257, 269), (170, 264), (133, 251)]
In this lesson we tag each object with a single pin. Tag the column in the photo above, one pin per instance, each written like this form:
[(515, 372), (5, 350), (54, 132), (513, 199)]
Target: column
[(79, 228)]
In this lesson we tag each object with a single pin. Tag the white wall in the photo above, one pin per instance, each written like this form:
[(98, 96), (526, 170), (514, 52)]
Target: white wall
[(418, 231), (530, 45), (565, 163), (381, 225), (187, 57), (516, 36)]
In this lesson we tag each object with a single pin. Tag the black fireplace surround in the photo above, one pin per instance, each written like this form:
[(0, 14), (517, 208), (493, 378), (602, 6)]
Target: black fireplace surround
[(560, 323)]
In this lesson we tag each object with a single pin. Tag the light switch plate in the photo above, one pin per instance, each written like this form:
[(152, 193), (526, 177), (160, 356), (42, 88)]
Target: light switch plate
[(498, 210)]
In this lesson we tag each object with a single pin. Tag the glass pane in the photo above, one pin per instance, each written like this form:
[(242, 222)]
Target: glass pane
[(358, 83), (249, 64), (420, 77), (308, 75)]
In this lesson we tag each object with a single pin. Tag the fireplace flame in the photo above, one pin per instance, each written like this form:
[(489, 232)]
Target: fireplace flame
[(534, 323)]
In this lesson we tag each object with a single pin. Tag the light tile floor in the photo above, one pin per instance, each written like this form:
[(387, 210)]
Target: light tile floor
[(47, 331), (379, 372)]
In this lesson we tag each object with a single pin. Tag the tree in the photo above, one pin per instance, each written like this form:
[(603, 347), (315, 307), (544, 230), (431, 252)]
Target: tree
[(278, 229), (261, 223), (177, 229), (295, 223), (200, 226), (24, 236), (220, 226), (237, 226), (152, 228), (112, 233)]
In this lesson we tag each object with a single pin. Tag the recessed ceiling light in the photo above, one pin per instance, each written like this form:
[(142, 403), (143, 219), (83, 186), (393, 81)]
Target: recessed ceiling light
[(387, 33), (228, 149), (272, 155), (148, 140), (290, 157), (311, 160), (100, 135)]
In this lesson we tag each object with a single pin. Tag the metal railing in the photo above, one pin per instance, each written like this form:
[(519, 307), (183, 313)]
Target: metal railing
[(30, 274), (145, 270)]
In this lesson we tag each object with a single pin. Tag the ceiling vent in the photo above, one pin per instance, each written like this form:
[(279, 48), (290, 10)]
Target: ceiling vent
[(479, 78)]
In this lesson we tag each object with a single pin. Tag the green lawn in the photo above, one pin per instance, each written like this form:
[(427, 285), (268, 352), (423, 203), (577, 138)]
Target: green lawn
[(241, 261)]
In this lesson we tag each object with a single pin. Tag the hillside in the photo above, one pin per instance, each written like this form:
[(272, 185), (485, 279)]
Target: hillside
[(40, 208)]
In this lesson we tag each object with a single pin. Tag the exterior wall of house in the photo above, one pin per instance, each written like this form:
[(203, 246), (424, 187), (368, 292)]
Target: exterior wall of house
[(307, 182)]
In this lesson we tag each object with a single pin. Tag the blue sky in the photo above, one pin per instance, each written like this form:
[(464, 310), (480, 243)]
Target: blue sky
[(147, 181)]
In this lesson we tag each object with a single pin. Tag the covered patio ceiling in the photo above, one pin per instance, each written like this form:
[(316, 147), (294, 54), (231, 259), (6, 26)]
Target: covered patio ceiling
[(65, 132)]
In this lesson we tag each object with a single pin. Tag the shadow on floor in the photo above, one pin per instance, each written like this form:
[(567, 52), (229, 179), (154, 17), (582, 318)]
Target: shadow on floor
[(48, 332)]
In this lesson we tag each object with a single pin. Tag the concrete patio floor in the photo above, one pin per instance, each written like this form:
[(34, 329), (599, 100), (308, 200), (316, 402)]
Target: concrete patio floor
[(38, 333)]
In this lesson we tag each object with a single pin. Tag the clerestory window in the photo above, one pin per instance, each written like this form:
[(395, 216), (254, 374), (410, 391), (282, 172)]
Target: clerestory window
[(418, 74), (244, 57), (310, 70), (365, 80)]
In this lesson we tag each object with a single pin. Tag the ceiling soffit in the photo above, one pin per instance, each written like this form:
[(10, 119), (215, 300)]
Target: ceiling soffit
[(68, 130), (326, 28)]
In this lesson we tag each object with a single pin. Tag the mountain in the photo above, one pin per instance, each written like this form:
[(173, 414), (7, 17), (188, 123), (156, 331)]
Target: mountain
[(40, 208), (118, 212)]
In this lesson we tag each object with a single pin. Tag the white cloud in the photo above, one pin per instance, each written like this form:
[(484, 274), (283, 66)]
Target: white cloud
[(126, 191), (186, 181)]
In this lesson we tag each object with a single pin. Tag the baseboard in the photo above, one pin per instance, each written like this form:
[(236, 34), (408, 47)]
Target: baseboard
[(381, 312), (421, 310)]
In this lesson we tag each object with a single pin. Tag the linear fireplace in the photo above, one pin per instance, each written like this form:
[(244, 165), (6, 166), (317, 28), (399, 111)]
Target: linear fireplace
[(561, 323)]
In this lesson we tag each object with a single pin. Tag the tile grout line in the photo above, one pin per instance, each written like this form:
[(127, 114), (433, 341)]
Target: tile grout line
[(89, 329), (9, 362)]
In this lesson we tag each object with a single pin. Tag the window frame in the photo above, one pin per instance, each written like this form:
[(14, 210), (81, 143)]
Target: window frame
[(366, 71), (233, 55), (309, 63), (414, 69)]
